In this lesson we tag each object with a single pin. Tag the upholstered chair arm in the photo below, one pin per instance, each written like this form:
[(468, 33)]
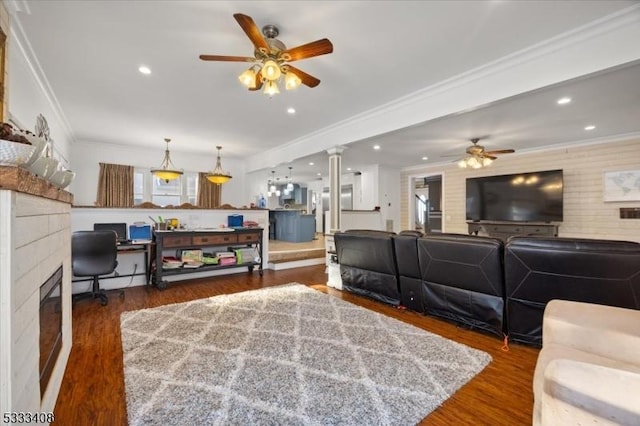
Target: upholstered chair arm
[(580, 393), (607, 331)]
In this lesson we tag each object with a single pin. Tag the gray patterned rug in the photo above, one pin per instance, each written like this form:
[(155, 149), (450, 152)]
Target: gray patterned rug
[(285, 355)]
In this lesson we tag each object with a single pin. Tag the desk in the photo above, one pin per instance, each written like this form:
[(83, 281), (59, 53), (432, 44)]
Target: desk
[(138, 248), (124, 249)]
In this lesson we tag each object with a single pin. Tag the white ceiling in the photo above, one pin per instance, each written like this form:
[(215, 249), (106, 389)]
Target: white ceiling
[(89, 52)]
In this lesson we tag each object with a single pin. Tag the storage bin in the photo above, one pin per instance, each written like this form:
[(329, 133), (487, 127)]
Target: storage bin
[(235, 220)]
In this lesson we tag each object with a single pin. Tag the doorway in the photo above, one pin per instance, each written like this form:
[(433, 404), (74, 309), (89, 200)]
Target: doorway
[(426, 203)]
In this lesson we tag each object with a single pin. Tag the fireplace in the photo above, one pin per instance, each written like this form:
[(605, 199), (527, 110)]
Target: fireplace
[(50, 326)]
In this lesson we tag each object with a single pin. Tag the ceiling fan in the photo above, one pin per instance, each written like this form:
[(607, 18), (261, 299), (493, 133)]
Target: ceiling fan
[(477, 157), (271, 58)]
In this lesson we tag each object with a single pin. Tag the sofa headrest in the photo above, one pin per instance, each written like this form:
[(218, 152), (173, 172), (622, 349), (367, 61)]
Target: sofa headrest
[(411, 232), (573, 244), (368, 232), (463, 238)]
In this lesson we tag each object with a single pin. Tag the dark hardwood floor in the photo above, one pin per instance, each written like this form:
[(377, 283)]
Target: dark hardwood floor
[(92, 391)]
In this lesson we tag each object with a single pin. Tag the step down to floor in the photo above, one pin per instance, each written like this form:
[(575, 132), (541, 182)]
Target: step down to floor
[(279, 260)]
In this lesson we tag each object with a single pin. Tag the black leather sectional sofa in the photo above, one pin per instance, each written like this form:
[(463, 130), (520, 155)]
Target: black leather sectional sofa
[(482, 283)]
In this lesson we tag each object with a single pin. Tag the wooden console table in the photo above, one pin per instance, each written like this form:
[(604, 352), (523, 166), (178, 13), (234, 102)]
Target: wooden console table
[(505, 230), (185, 240)]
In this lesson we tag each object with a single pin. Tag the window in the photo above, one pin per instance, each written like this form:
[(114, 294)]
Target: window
[(147, 187)]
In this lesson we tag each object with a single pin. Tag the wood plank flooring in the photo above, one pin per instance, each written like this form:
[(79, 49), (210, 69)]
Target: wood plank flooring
[(92, 391)]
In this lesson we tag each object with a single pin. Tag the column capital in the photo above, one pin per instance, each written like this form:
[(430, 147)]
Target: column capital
[(336, 150)]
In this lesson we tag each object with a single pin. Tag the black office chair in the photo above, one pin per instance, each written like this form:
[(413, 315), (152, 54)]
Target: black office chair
[(94, 253)]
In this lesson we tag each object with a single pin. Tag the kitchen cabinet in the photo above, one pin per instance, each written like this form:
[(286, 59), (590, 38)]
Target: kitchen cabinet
[(292, 226)]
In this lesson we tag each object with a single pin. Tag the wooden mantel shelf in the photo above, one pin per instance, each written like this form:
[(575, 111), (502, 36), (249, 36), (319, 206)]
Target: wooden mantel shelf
[(22, 180)]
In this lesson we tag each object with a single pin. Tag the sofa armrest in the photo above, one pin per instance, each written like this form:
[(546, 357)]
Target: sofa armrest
[(580, 393), (608, 331)]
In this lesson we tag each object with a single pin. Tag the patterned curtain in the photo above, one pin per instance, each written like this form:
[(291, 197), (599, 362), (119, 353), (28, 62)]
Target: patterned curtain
[(115, 186), (209, 194)]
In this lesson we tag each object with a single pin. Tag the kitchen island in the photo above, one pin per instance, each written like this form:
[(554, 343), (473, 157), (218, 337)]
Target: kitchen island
[(292, 225)]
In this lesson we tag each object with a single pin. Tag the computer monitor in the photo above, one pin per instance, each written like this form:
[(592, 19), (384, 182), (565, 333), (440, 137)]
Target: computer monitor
[(119, 228)]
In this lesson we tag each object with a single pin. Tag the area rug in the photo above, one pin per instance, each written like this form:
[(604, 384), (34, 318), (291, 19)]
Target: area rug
[(285, 355)]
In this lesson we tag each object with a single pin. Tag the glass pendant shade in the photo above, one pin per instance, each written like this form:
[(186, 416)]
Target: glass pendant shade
[(292, 81), (248, 78), (272, 188), (475, 162), (278, 193), (217, 176), (271, 70), (289, 187), (271, 88), (167, 171)]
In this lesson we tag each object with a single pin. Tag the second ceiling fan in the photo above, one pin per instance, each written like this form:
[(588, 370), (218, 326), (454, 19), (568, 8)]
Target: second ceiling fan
[(478, 157), (271, 58)]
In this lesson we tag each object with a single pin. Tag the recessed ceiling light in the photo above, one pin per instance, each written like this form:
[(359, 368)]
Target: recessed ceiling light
[(319, 174), (348, 168), (311, 163), (144, 70), (564, 101), (590, 127), (425, 158), (291, 110), (376, 147)]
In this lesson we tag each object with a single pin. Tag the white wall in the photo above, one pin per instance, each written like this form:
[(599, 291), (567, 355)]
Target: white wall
[(85, 157), (27, 99), (389, 196)]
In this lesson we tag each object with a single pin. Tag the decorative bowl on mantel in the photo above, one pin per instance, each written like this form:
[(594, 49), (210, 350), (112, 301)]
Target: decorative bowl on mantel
[(62, 178), (15, 153)]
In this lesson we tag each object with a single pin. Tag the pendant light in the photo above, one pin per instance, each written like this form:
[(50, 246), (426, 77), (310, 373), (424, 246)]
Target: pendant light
[(217, 176), (271, 187), (290, 183), (167, 171)]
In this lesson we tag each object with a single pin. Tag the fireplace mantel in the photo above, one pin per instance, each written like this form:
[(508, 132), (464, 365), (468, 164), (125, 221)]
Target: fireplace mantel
[(21, 180), (35, 240)]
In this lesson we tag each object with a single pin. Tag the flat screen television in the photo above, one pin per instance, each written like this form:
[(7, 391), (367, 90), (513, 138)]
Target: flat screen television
[(520, 197)]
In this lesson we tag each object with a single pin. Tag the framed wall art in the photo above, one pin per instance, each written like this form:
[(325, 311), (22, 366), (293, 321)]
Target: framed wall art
[(622, 185)]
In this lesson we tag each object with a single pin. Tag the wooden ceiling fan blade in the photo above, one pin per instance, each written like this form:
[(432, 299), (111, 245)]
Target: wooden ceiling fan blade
[(491, 157), (252, 31), (501, 151), (307, 79), (227, 58), (309, 50)]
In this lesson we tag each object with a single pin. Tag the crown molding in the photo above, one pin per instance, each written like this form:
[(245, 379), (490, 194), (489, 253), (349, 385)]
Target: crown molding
[(18, 34), (15, 6), (418, 107)]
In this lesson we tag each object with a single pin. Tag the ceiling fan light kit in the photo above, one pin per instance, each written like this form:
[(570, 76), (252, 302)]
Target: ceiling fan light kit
[(271, 57), (478, 157), (167, 171), (217, 176)]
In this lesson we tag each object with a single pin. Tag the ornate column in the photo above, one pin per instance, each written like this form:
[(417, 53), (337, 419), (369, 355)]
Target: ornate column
[(335, 187)]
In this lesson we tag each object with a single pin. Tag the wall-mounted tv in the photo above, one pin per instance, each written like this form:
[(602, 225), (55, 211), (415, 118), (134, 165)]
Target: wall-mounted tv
[(520, 197)]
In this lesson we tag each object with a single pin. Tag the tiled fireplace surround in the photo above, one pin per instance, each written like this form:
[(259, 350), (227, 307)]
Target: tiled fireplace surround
[(35, 240)]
